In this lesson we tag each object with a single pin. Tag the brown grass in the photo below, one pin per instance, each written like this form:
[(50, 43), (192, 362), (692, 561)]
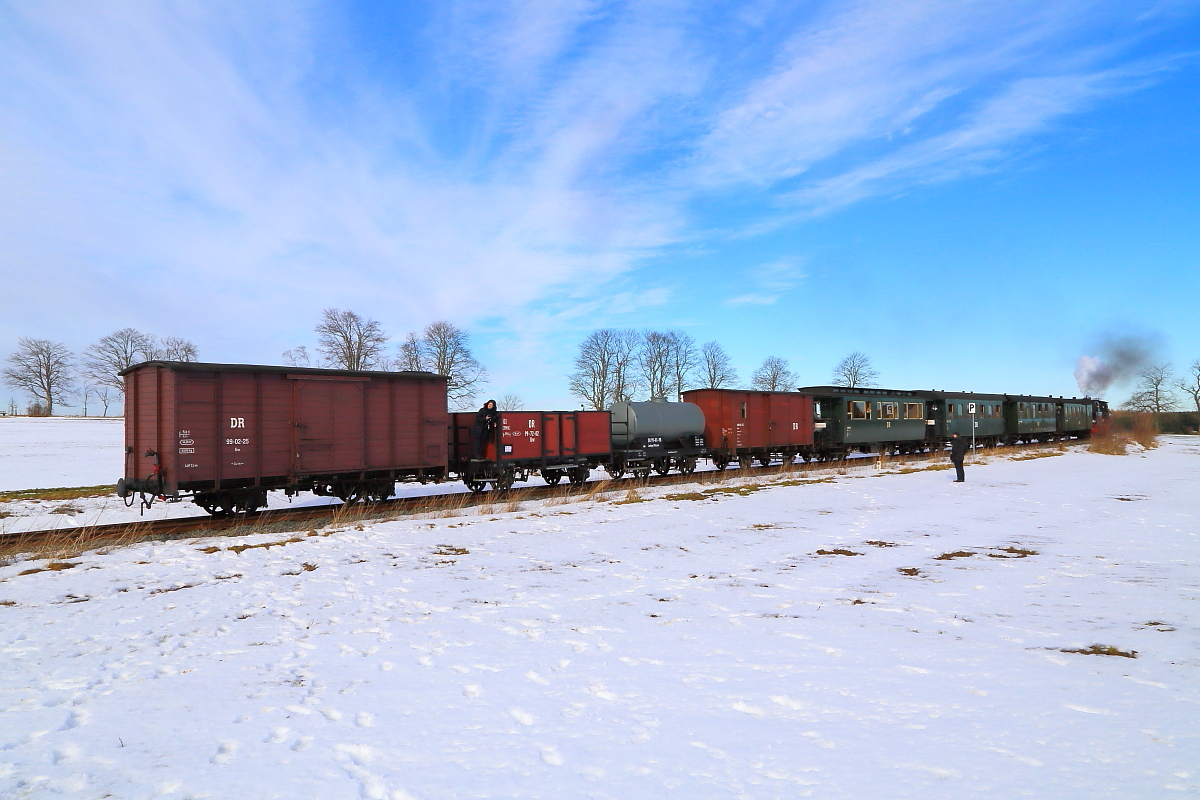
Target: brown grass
[(953, 555), (838, 551), (1113, 436), (1100, 650), (68, 543), (63, 493)]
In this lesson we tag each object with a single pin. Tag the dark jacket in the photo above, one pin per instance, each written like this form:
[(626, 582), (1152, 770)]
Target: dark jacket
[(958, 448), (486, 420)]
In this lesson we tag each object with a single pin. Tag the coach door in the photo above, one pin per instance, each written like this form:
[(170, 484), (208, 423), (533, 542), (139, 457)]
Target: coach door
[(329, 426)]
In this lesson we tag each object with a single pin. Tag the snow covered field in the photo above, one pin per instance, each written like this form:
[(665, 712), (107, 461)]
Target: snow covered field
[(729, 646), (49, 452)]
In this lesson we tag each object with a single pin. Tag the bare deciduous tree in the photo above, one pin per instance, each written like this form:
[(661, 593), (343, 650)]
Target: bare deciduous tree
[(604, 368), (510, 402), (173, 348), (592, 378), (717, 368), (684, 359), (773, 376), (1190, 385), (445, 350), (855, 370), (105, 395), (106, 359), (297, 357), (349, 341), (654, 362), (44, 369), (411, 356), (625, 382), (1153, 391)]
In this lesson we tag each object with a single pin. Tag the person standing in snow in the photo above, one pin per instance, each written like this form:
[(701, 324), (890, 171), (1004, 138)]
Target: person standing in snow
[(958, 451), (486, 421)]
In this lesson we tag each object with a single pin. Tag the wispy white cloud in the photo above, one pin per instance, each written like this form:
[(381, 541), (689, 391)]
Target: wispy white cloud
[(768, 282), (232, 168)]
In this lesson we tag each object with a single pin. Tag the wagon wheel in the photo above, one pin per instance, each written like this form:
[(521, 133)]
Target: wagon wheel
[(212, 508), (476, 486), (641, 473), (578, 475), (765, 459), (615, 472), (687, 466), (551, 478), (349, 493), (720, 462), (662, 466), (504, 482)]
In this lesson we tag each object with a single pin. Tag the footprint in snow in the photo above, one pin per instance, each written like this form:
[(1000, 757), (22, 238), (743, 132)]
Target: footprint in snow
[(364, 719), (277, 735), (521, 716), (75, 719), (225, 752), (551, 756)]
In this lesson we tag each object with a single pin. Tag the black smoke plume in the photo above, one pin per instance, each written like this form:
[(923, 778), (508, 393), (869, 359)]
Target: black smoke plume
[(1120, 359)]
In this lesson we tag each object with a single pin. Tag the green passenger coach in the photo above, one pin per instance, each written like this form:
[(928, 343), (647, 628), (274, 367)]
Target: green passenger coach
[(869, 420)]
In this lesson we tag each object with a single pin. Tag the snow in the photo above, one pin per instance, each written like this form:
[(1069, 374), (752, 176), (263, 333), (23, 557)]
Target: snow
[(655, 648), (51, 452)]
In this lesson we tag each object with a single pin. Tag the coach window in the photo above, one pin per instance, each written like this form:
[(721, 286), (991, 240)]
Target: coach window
[(913, 411), (859, 409), (888, 411)]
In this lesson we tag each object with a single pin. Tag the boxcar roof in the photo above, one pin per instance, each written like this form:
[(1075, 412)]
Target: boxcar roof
[(200, 366)]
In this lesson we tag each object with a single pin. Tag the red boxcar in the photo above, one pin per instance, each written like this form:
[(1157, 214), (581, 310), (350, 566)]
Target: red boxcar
[(553, 443), (228, 433), (743, 425)]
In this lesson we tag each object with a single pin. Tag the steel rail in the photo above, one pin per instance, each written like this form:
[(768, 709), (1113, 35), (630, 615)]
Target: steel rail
[(292, 519)]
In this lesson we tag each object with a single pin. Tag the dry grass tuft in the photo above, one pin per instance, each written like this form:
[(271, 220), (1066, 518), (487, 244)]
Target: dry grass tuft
[(1014, 552), (241, 548), (1100, 650), (838, 551), (686, 496), (632, 496), (912, 572), (1114, 436), (52, 566), (953, 555)]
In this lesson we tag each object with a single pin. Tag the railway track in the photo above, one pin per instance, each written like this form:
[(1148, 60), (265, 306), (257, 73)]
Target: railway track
[(308, 517)]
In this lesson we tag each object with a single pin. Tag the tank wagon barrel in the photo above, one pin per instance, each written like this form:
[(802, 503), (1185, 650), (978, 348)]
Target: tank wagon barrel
[(655, 435)]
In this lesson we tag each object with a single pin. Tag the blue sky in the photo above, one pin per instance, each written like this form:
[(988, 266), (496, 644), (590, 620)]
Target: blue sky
[(974, 194)]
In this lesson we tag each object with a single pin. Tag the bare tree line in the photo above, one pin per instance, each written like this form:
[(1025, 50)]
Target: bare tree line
[(49, 372), (1156, 387), (615, 364), (347, 340)]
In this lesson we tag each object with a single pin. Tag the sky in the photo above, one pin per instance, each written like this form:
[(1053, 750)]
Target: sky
[(974, 194)]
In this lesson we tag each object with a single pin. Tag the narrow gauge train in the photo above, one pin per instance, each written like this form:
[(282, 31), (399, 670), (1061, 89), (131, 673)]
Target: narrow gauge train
[(226, 434)]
